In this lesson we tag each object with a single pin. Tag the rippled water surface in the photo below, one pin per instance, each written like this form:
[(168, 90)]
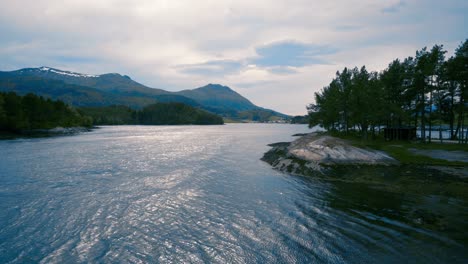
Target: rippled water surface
[(139, 194)]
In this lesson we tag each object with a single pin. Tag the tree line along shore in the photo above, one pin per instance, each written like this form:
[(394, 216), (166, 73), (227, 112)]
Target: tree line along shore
[(427, 92), (31, 113)]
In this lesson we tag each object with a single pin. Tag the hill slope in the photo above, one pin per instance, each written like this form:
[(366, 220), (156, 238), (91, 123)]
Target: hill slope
[(69, 93), (129, 92), (114, 89), (111, 82), (219, 98)]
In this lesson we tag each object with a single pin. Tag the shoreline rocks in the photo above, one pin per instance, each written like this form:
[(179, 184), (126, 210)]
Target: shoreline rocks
[(314, 152), (59, 130), (328, 150)]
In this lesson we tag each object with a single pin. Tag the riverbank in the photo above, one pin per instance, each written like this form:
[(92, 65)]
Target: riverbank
[(57, 131), (400, 170)]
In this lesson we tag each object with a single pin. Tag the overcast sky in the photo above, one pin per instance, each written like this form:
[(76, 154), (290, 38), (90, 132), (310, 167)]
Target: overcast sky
[(276, 53)]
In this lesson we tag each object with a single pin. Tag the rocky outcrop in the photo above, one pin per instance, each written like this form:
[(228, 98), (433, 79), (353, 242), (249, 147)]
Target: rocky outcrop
[(314, 153), (323, 149)]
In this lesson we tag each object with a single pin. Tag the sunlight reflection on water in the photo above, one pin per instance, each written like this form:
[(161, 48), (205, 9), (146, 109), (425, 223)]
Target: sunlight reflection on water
[(187, 194)]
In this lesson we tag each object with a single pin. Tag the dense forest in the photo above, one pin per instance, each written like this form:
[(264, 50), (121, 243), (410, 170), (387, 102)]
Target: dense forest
[(29, 112), (24, 114), (426, 91), (155, 114), (110, 115), (300, 119), (176, 113)]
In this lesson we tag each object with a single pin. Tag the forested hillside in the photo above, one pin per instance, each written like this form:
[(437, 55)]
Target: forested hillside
[(25, 113), (155, 114)]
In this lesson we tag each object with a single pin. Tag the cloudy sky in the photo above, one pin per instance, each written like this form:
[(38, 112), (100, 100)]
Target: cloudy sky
[(277, 53)]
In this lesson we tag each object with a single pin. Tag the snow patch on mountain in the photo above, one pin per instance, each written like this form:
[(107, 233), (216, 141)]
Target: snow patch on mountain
[(67, 73)]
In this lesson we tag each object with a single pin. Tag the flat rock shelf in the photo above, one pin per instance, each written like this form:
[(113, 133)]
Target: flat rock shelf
[(316, 152)]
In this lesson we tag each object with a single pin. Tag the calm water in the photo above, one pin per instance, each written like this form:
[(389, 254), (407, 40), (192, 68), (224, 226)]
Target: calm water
[(138, 194)]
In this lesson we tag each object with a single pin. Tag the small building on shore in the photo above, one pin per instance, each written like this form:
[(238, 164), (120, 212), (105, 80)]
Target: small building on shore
[(400, 133)]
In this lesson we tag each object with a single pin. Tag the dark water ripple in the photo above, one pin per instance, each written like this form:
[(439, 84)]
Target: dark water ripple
[(195, 195)]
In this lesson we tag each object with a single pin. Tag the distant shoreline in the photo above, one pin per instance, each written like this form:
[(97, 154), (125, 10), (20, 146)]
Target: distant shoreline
[(69, 131), (38, 133)]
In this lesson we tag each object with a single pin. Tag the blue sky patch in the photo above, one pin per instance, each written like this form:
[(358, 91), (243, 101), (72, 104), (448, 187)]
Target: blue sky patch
[(292, 54), (278, 58), (393, 8)]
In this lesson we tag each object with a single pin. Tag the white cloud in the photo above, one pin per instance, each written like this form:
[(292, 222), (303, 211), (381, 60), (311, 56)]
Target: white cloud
[(149, 40)]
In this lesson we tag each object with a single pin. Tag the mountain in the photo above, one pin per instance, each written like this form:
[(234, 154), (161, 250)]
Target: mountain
[(69, 93), (219, 98), (111, 82), (86, 90), (114, 89)]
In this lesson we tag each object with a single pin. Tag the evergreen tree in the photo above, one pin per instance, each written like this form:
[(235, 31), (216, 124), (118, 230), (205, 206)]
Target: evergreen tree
[(422, 91), (18, 114)]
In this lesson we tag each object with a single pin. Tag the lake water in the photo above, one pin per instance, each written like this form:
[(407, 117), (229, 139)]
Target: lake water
[(197, 194)]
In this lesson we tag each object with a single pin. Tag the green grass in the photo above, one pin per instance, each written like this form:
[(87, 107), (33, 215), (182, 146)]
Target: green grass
[(403, 155), (400, 150)]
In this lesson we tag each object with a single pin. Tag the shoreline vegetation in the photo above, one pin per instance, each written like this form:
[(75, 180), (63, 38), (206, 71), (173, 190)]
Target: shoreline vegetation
[(35, 116), (393, 166), (372, 121), (423, 93), (154, 114), (360, 111), (39, 133)]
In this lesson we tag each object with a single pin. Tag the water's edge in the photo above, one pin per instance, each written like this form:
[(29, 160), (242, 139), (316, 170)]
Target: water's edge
[(399, 179)]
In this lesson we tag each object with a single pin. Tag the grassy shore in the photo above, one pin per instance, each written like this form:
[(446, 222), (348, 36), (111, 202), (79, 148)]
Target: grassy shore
[(401, 150)]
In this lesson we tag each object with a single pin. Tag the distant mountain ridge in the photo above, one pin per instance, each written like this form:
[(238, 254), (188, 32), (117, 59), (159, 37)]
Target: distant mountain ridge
[(112, 88), (219, 97), (109, 82)]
